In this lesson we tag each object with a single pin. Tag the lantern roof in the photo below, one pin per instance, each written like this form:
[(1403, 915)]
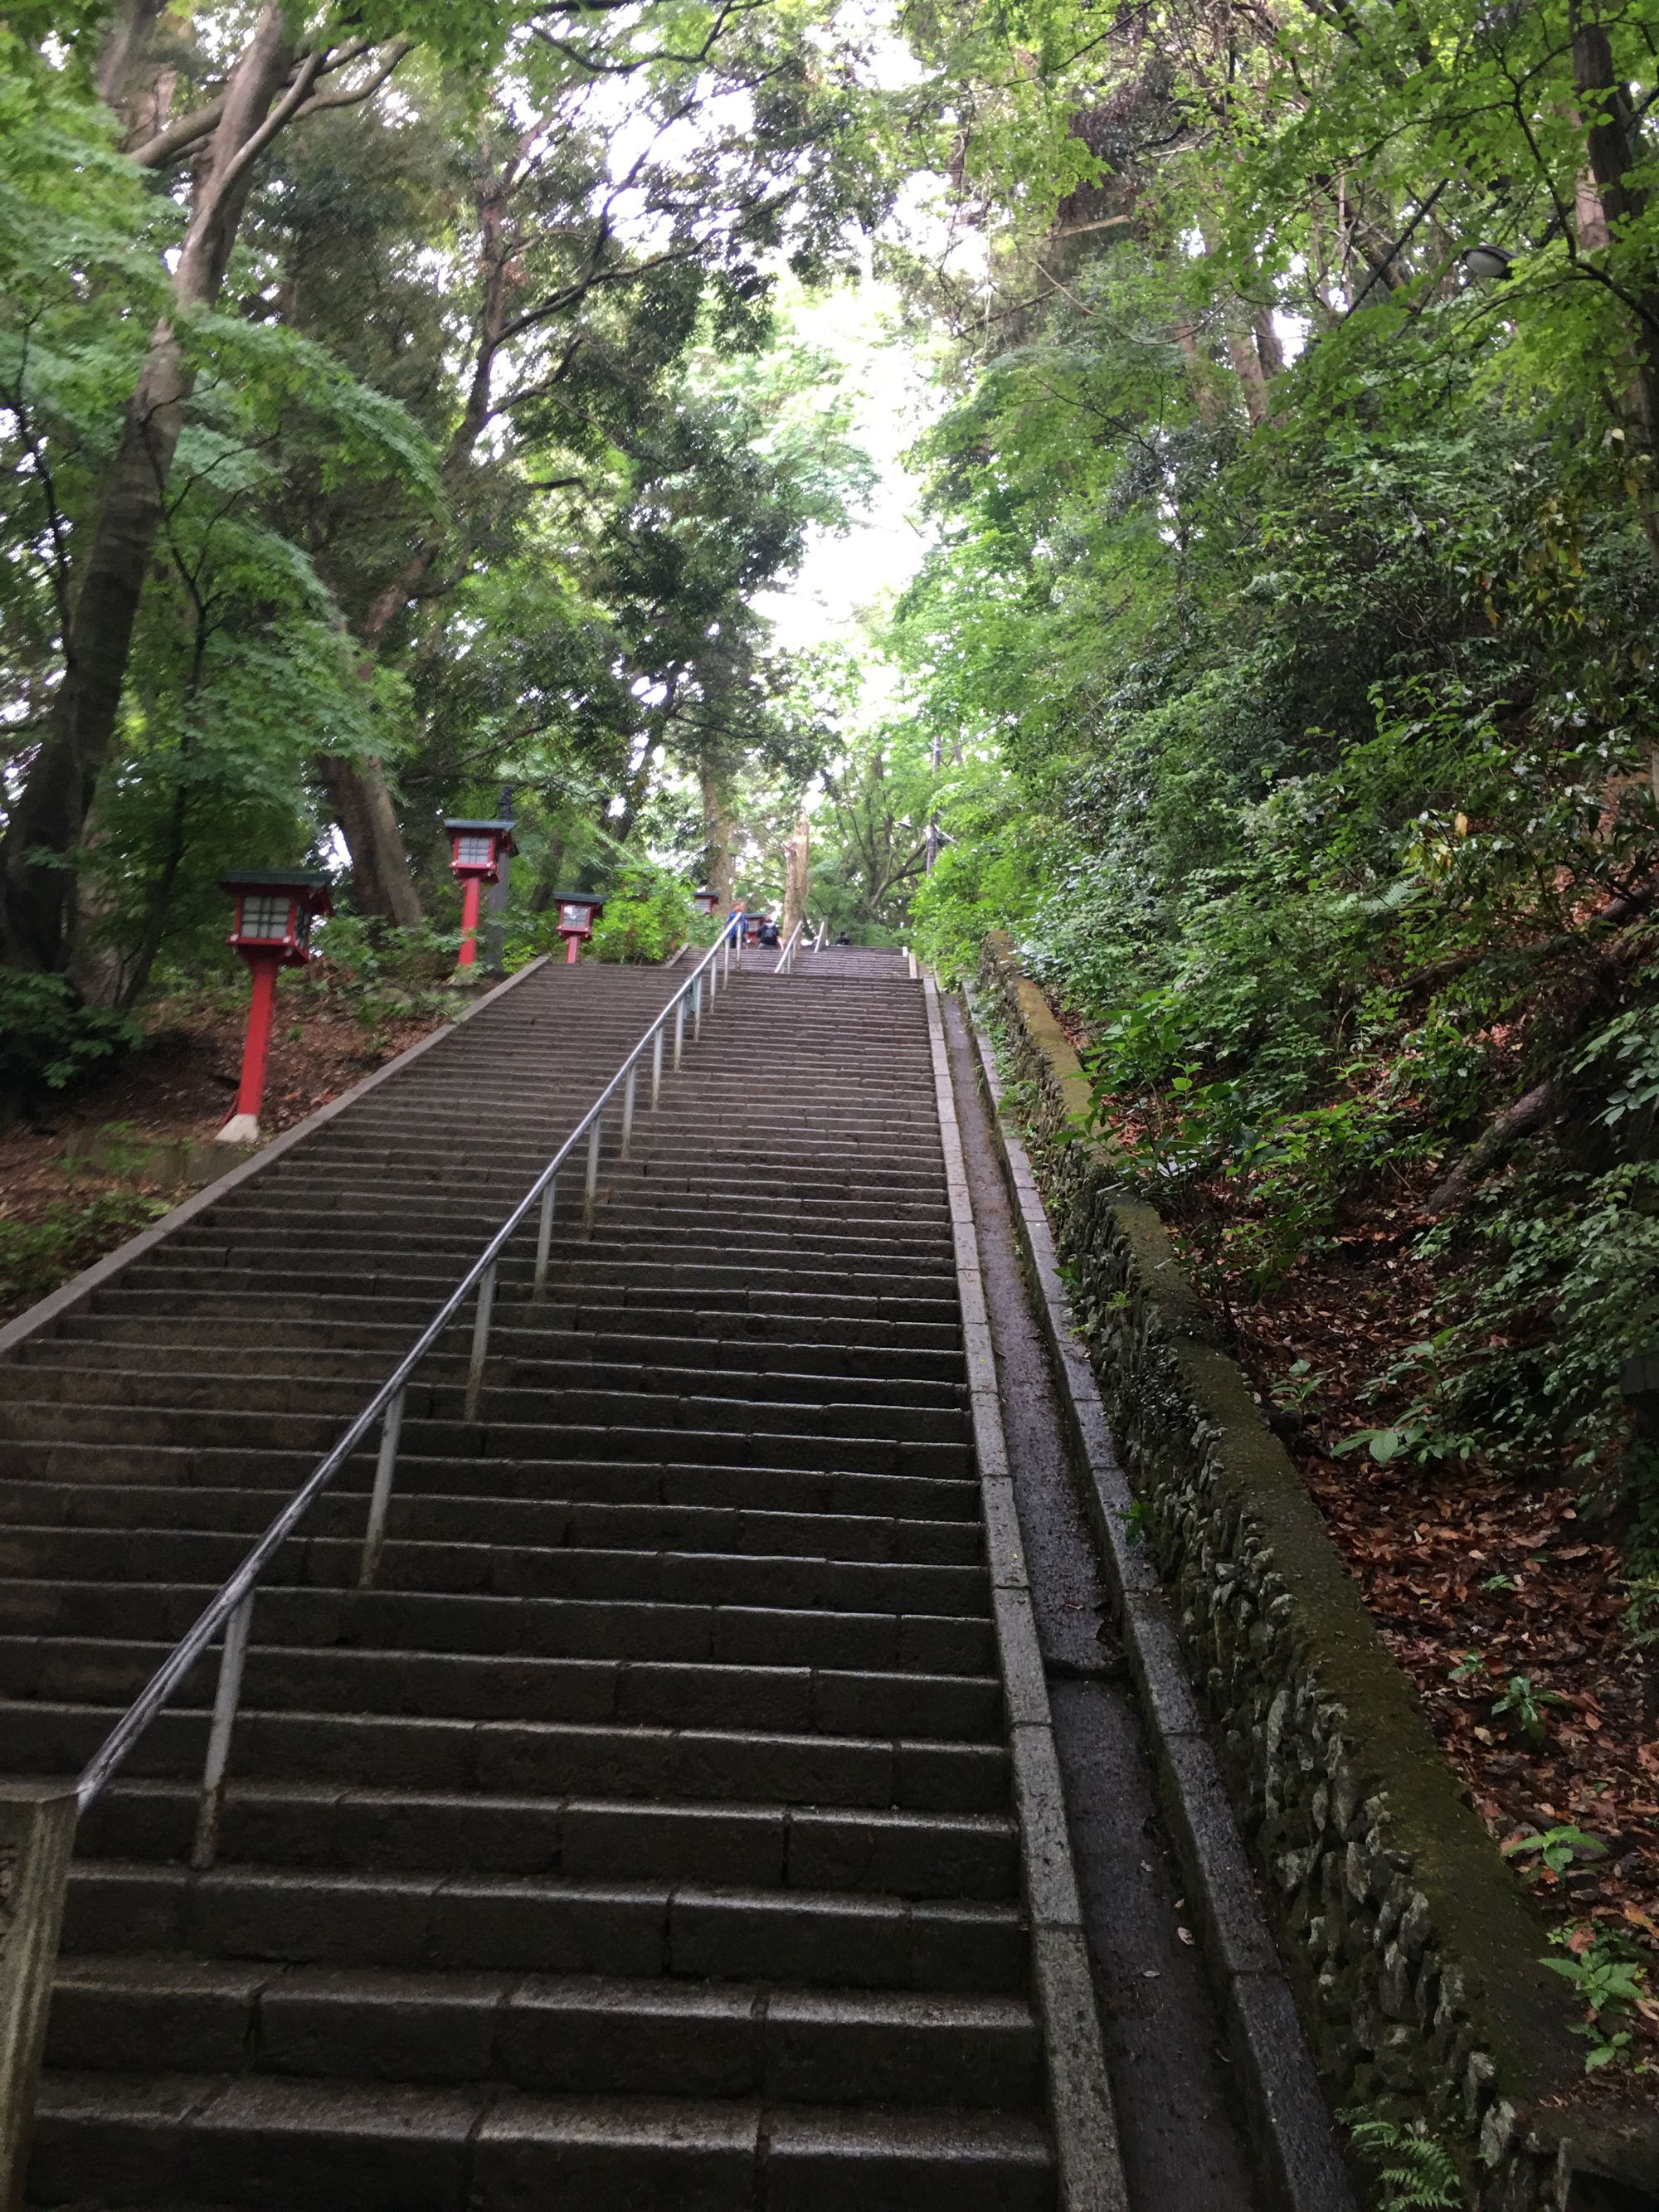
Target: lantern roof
[(579, 898), (283, 879), (459, 822)]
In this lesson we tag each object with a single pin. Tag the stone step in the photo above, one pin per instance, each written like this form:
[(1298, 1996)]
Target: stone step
[(547, 1925), (426, 1517), (550, 1628), (879, 1850), (517, 1570), (549, 1757), (580, 2034), (529, 1393), (311, 1435), (525, 1349), (78, 1467), (469, 1686), (186, 2142)]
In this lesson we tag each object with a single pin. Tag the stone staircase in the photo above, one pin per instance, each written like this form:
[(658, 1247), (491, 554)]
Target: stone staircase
[(645, 1838)]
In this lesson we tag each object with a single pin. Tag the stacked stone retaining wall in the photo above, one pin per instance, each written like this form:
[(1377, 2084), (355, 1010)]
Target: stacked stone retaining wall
[(1417, 1959)]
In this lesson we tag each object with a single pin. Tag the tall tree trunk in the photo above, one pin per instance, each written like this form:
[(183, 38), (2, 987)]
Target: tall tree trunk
[(380, 875), (1614, 147), (46, 825), (124, 45), (382, 880), (720, 829)]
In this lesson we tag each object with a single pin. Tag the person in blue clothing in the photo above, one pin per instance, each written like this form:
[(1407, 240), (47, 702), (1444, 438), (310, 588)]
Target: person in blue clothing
[(735, 922)]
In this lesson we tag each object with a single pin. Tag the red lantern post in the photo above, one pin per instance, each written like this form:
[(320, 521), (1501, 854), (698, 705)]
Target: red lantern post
[(578, 912), (476, 850), (275, 909)]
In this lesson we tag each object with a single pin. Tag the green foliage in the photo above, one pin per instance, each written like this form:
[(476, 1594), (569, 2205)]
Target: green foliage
[(1411, 2169), (35, 1256), (1552, 1850), (1609, 1978), (49, 1041), (646, 917), (380, 975), (1524, 1707)]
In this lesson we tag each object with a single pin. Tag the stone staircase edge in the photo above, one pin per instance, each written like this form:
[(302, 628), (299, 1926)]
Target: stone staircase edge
[(1081, 2111), (1287, 2111)]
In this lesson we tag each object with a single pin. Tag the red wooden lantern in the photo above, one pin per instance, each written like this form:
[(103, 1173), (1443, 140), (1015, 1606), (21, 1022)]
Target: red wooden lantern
[(476, 850), (706, 902), (578, 912), (275, 909)]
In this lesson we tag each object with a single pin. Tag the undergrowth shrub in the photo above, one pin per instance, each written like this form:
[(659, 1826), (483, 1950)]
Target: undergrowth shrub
[(35, 1256), (49, 1041), (648, 916)]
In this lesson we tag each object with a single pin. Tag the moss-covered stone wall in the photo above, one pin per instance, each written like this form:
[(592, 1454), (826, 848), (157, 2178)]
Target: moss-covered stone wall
[(1416, 1954)]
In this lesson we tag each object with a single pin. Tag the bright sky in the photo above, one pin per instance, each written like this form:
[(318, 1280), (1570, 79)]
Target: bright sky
[(844, 576)]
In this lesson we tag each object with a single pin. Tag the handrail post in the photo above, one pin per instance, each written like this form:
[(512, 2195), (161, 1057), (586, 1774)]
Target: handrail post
[(696, 1007), (386, 1467), (480, 1342), (544, 1240), (37, 1837), (679, 1031), (656, 1066), (628, 1088), (225, 1698), (591, 1187)]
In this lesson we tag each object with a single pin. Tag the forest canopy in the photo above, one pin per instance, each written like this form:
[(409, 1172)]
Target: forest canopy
[(393, 407)]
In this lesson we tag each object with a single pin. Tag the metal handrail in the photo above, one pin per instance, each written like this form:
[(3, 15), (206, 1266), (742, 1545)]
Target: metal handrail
[(786, 958), (824, 932), (231, 1606)]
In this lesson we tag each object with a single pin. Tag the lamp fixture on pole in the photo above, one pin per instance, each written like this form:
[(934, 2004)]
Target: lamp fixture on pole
[(476, 851), (275, 909)]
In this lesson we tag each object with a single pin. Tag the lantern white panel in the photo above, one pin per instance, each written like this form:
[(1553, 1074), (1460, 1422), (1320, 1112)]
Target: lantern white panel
[(265, 914)]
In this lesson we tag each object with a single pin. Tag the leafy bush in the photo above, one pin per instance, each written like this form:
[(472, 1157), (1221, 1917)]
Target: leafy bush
[(380, 975), (648, 916), (48, 1039), (35, 1256)]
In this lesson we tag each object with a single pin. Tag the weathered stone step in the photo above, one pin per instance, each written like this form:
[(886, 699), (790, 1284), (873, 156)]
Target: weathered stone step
[(549, 1758), (549, 1924), (516, 1570), (466, 1685), (864, 1848), (582, 2033), (187, 2142), (76, 1467), (682, 1222), (487, 1517), (404, 1620), (706, 1280), (518, 1342), (747, 1436), (531, 1392), (257, 1298)]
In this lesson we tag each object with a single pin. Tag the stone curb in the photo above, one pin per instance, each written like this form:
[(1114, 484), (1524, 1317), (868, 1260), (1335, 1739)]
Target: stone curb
[(1091, 2176), (68, 1295), (1289, 2125)]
